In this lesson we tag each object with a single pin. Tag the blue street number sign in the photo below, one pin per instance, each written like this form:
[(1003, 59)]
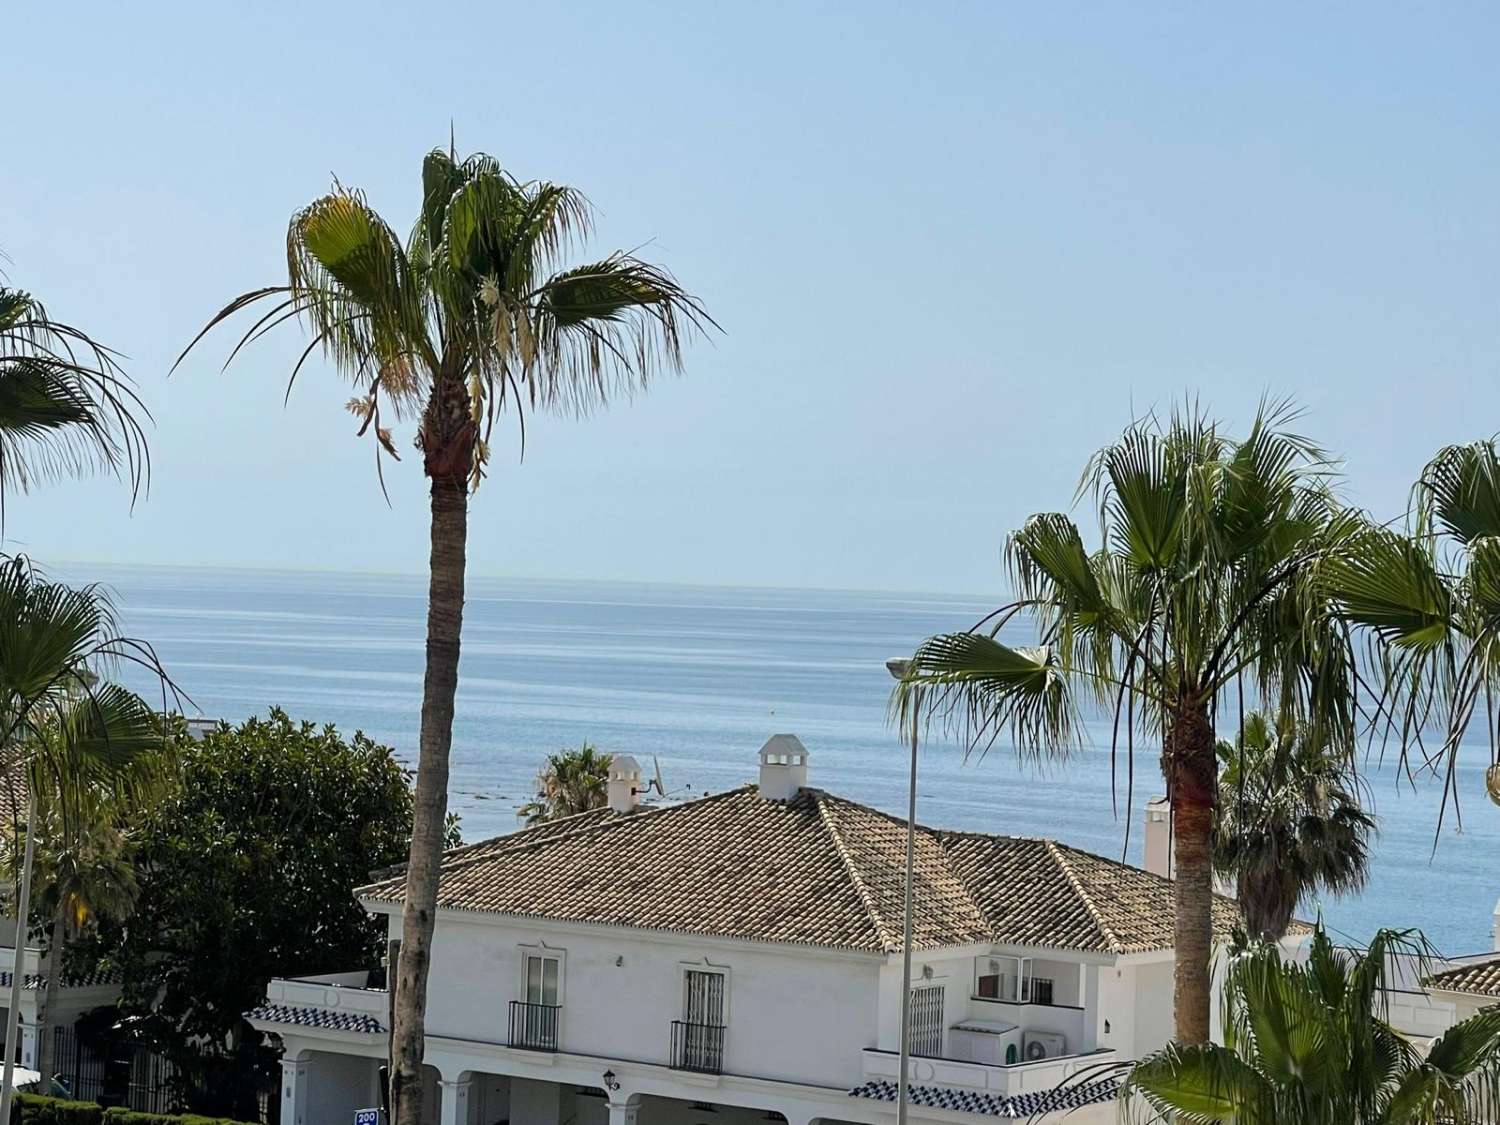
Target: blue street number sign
[(367, 1117)]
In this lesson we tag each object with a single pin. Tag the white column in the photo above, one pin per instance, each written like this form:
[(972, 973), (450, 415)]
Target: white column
[(1088, 1000), (294, 1092), (623, 1113), (454, 1104)]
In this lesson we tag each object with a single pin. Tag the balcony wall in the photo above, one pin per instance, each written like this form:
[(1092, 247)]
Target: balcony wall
[(330, 995), (1002, 1081)]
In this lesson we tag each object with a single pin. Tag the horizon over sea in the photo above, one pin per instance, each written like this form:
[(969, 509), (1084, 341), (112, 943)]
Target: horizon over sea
[(696, 678)]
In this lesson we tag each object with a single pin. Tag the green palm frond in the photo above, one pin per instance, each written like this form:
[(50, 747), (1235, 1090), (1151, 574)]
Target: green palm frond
[(66, 405), (478, 313)]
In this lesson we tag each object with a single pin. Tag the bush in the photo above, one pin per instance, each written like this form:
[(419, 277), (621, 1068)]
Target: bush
[(34, 1109)]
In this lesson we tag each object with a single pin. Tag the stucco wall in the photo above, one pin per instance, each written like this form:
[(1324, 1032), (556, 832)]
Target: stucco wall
[(1153, 1006), (621, 992)]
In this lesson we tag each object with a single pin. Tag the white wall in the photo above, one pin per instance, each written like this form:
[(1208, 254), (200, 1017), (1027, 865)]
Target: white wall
[(339, 1084), (792, 1015), (1154, 1021)]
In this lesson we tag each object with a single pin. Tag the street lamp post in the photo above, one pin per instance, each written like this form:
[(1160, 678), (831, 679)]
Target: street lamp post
[(898, 668)]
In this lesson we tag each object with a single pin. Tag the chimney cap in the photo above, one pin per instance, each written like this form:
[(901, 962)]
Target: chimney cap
[(783, 749)]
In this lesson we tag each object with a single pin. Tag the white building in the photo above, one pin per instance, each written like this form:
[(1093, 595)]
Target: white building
[(737, 959)]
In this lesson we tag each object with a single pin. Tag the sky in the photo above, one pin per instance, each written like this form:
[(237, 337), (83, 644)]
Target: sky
[(954, 248)]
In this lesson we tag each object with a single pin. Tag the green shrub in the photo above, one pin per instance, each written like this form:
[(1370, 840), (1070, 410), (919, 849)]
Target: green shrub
[(34, 1109)]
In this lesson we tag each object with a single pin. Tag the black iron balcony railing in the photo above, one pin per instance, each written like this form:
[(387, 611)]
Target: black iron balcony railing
[(697, 1046), (533, 1026)]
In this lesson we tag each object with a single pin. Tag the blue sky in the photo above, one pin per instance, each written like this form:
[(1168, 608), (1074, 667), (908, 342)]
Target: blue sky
[(953, 247)]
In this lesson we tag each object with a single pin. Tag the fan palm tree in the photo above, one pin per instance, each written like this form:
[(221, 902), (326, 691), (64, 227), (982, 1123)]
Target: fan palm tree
[(66, 406), (572, 782), (66, 733), (1427, 600), (1290, 823), (1197, 598), (82, 875), (474, 315), (1309, 1043)]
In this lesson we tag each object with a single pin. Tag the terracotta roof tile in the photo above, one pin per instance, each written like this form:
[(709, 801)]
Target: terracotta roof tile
[(816, 870), (1482, 978)]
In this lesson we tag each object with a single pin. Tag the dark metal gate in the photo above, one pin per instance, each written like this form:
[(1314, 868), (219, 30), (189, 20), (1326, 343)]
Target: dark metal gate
[(110, 1073)]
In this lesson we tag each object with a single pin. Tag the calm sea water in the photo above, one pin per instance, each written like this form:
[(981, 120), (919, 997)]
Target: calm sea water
[(696, 679)]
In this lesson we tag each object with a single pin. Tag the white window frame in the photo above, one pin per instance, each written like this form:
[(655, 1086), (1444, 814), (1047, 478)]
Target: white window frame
[(1021, 973), (542, 949)]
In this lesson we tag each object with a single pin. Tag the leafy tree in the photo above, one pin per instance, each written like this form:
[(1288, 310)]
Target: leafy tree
[(1289, 823), (1309, 1043), (66, 406), (246, 871), (1200, 593), (472, 316), (574, 781)]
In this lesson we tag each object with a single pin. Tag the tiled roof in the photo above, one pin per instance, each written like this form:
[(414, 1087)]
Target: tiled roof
[(816, 870), (995, 1105), (1481, 978), (35, 981), (317, 1017)]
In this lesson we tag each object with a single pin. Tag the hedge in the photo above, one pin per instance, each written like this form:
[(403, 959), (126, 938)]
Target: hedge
[(34, 1109)]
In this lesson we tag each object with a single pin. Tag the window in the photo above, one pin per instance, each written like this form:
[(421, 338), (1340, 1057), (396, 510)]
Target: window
[(1041, 990), (698, 1038), (1003, 978), (924, 1035), (543, 974)]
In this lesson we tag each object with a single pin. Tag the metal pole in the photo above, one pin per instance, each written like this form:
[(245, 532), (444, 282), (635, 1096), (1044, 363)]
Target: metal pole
[(23, 915), (903, 1090)]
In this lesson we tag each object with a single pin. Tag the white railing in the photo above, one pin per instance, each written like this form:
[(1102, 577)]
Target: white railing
[(1002, 1081)]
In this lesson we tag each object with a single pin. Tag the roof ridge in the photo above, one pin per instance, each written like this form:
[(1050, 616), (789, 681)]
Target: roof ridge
[(867, 900), (1055, 851), (645, 812)]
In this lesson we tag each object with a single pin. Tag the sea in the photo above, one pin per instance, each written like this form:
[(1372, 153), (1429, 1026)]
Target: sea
[(692, 680)]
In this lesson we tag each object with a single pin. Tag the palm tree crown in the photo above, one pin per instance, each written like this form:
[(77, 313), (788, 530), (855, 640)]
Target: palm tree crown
[(1290, 823), (572, 782), (1309, 1043), (476, 312), (65, 403), (1197, 598)]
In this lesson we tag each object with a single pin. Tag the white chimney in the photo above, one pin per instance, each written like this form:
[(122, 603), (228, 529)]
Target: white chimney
[(1495, 919), (624, 783), (1159, 837), (783, 767)]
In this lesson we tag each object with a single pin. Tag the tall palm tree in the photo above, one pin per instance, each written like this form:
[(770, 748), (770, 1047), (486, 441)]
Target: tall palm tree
[(472, 316), (572, 782), (65, 731), (1309, 1043), (1289, 825), (66, 406), (1427, 600), (1197, 599), (83, 875)]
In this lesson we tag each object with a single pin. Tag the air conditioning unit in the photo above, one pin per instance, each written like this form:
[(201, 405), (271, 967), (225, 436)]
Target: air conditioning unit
[(1043, 1045)]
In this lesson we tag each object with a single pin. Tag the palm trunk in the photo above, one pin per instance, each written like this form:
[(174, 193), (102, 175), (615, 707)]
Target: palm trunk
[(51, 987), (445, 606), (17, 964), (1192, 778)]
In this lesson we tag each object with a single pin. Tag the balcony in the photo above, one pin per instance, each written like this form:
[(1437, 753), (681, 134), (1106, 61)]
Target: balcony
[(533, 1027), (1002, 1081), (697, 1047)]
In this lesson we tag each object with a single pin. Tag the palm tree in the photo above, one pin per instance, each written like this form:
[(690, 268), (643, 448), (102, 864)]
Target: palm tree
[(1289, 825), (1309, 1043), (1427, 600), (1197, 598), (83, 874), (65, 731), (66, 406), (572, 782), (470, 317)]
